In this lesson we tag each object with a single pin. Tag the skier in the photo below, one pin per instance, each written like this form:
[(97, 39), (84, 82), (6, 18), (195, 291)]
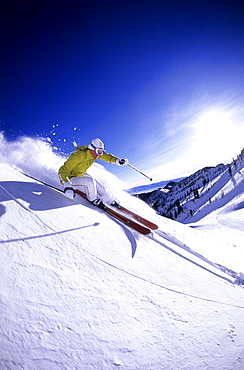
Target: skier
[(73, 172)]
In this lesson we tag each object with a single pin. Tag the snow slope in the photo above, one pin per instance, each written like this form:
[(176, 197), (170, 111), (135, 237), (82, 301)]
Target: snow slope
[(72, 297)]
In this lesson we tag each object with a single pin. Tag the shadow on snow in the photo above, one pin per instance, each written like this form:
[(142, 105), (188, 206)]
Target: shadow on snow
[(38, 197)]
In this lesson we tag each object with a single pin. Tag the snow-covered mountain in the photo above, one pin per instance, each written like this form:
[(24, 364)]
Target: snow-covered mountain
[(192, 198), (73, 298)]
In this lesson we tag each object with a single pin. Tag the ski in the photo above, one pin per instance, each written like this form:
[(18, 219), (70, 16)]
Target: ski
[(118, 216), (136, 217)]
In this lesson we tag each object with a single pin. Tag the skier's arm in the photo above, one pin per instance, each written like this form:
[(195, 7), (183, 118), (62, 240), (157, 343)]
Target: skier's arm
[(114, 160), (108, 158)]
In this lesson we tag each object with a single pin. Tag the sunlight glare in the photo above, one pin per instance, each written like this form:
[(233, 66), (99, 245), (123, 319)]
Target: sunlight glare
[(214, 127), (215, 137)]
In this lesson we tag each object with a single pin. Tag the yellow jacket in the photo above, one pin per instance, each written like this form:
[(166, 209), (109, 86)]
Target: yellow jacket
[(79, 161)]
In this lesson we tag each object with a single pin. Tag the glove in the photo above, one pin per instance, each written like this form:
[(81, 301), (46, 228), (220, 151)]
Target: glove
[(122, 161)]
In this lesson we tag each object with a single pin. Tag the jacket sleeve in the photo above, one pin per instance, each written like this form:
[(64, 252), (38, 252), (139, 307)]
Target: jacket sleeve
[(108, 158)]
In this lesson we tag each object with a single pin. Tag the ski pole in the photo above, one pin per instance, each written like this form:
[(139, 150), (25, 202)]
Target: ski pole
[(134, 168)]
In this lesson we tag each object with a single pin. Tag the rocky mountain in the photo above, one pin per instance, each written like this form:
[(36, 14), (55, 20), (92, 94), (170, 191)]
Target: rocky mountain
[(189, 199)]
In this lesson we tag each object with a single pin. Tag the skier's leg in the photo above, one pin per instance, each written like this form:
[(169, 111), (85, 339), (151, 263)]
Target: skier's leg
[(91, 187), (86, 184), (103, 192)]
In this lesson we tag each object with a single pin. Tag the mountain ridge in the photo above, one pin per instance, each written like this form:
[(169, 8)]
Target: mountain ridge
[(184, 200)]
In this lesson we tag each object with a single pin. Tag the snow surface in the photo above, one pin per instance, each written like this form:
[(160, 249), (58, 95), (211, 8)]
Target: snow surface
[(73, 297)]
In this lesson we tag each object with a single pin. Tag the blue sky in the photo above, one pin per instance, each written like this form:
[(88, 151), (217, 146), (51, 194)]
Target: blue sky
[(160, 82)]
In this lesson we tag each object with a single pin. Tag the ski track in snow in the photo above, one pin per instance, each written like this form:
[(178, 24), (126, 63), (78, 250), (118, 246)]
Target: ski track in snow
[(71, 296)]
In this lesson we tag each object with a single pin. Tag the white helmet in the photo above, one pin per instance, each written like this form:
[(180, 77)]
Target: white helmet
[(97, 145)]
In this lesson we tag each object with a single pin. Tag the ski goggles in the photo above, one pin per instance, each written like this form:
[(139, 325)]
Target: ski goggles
[(99, 151)]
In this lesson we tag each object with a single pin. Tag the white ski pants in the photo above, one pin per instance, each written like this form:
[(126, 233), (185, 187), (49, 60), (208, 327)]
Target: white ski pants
[(91, 187)]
